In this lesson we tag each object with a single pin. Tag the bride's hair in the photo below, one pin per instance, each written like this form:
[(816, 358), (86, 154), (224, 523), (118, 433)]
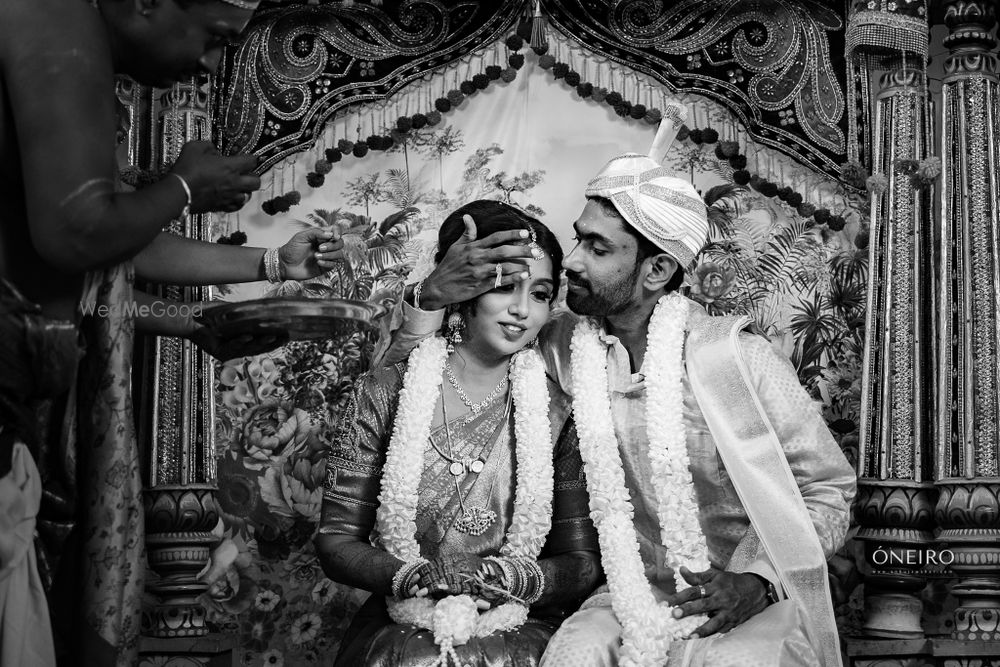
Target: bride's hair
[(494, 216)]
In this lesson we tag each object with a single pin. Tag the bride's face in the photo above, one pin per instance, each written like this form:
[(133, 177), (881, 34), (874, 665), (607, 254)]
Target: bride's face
[(509, 317)]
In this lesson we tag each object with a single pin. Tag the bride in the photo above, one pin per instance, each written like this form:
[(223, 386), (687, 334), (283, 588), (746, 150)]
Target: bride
[(454, 493)]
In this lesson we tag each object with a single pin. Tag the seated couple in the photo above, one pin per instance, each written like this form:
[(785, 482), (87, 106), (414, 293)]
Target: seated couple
[(690, 502)]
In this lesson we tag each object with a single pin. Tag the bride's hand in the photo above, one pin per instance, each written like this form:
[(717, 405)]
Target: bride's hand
[(455, 574)]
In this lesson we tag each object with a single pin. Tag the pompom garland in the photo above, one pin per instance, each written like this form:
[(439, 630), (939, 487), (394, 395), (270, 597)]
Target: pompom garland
[(622, 107), (238, 237), (405, 124), (730, 150)]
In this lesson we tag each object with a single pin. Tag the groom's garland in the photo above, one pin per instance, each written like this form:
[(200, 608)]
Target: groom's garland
[(455, 619), (648, 626)]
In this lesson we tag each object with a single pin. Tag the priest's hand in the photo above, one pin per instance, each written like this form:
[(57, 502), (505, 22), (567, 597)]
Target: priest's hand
[(310, 253), (727, 598), (469, 268)]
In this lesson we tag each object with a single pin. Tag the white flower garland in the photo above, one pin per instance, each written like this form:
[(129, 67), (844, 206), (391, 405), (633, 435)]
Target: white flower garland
[(648, 626), (453, 620)]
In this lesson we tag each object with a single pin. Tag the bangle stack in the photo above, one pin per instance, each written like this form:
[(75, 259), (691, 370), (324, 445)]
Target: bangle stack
[(187, 191), (272, 266), (401, 580), (522, 577)]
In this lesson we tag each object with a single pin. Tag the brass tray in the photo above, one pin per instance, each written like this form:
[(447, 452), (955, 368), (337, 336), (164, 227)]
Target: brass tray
[(246, 328)]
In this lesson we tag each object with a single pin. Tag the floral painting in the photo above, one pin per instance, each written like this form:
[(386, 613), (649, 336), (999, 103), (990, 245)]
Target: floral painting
[(803, 285)]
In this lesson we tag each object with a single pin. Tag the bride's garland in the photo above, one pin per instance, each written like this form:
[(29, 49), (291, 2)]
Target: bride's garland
[(648, 626), (455, 619)]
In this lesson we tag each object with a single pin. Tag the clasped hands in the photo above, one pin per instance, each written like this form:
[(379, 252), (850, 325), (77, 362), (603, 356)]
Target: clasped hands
[(459, 574), (727, 598)]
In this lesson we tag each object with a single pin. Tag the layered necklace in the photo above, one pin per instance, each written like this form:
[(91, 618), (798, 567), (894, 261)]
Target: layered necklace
[(475, 519), (648, 626), (455, 619)]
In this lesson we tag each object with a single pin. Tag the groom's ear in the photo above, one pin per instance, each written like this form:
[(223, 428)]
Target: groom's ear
[(661, 269)]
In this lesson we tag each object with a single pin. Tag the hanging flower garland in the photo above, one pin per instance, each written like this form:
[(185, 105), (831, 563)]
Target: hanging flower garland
[(281, 203), (623, 107), (405, 124), (648, 626), (455, 619), (730, 150)]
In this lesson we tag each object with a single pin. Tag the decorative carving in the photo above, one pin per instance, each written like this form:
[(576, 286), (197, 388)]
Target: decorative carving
[(969, 516), (970, 41), (788, 49), (179, 521), (296, 66), (896, 519)]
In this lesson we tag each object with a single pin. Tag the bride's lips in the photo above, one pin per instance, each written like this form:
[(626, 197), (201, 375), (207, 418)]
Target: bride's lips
[(511, 332)]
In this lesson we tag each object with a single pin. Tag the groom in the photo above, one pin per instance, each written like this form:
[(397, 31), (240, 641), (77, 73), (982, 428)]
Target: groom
[(772, 488)]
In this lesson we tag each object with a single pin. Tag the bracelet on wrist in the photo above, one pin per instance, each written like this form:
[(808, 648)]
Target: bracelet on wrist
[(272, 265), (400, 580), (416, 294), (186, 211)]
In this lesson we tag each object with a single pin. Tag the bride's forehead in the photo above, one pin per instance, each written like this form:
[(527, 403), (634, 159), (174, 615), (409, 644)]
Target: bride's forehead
[(540, 268)]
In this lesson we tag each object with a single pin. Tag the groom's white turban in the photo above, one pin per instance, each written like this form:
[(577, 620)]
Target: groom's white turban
[(666, 210)]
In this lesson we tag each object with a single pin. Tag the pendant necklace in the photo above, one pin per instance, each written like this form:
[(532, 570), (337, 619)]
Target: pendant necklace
[(475, 519)]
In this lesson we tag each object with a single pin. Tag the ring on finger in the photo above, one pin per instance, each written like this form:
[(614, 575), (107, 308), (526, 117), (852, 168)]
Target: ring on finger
[(499, 272), (702, 592)]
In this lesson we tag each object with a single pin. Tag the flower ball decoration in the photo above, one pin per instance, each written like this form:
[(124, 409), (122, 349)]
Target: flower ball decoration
[(418, 121), (729, 150)]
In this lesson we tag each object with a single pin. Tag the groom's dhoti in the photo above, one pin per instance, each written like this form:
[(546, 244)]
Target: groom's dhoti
[(776, 637)]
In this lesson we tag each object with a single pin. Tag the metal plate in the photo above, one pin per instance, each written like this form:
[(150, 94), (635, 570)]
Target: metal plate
[(246, 328)]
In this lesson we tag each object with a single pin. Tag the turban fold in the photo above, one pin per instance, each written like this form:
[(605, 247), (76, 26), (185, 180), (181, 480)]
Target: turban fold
[(665, 209)]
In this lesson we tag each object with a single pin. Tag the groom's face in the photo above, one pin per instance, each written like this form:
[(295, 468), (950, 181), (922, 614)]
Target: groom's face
[(602, 274)]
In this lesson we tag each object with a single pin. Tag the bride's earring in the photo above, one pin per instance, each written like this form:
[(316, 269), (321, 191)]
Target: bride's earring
[(456, 323)]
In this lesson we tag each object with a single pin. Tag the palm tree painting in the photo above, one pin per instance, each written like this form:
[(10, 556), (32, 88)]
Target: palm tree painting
[(442, 143), (365, 190)]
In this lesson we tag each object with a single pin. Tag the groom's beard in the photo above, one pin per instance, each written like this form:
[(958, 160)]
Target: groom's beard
[(604, 300)]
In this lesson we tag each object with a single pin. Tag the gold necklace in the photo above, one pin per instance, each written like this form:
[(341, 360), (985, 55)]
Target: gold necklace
[(474, 408)]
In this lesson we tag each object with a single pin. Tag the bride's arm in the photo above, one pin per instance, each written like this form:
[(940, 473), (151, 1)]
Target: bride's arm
[(573, 567), (351, 560), (353, 479)]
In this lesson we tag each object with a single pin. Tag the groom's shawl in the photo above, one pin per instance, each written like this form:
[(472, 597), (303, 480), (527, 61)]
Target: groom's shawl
[(756, 463)]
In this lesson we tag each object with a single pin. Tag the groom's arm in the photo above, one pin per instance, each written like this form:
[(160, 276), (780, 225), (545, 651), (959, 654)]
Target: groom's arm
[(825, 479), (415, 324)]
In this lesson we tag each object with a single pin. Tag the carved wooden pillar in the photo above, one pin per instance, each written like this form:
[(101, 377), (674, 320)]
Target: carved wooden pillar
[(179, 405), (895, 492), (968, 410)]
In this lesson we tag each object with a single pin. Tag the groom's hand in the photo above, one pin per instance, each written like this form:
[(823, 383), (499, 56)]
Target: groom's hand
[(469, 267), (729, 599)]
